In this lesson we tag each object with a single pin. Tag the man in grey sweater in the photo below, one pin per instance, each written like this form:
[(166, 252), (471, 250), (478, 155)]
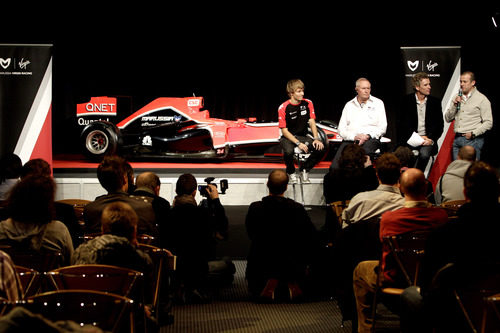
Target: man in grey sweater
[(471, 111), (451, 184)]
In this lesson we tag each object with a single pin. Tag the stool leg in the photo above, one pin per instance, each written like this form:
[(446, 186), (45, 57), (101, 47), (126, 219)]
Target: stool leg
[(294, 193), (302, 193)]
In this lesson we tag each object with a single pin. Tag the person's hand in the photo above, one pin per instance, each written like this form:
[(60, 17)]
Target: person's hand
[(468, 135), (212, 191), (457, 100), (318, 145), (361, 138), (427, 141), (303, 147)]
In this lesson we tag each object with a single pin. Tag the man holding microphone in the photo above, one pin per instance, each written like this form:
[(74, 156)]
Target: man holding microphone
[(471, 111)]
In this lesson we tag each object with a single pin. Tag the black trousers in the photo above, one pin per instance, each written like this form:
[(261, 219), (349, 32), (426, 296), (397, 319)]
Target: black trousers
[(288, 154)]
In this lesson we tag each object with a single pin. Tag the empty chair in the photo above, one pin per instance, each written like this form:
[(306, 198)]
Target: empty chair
[(164, 266), (406, 253), (30, 280), (107, 311), (40, 261)]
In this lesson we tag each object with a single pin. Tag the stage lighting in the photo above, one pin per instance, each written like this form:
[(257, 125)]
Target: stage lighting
[(495, 18)]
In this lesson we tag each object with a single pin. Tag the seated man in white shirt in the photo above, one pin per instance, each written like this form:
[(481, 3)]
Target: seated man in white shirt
[(363, 121)]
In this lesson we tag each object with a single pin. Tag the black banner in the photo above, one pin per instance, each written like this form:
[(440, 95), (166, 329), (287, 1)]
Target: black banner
[(25, 100)]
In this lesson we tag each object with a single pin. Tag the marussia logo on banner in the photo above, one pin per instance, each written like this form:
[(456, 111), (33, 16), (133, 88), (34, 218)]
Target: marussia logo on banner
[(413, 65), (98, 106), (5, 62)]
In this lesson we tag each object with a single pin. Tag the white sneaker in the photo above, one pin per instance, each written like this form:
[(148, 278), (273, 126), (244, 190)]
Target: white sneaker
[(305, 177), (292, 178)]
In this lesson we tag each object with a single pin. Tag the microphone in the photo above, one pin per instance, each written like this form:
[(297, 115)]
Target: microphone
[(460, 93)]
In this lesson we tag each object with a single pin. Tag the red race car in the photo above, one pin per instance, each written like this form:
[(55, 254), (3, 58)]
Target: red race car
[(177, 128)]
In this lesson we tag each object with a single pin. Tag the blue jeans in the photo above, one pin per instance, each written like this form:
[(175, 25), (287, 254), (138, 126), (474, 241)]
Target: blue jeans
[(461, 141)]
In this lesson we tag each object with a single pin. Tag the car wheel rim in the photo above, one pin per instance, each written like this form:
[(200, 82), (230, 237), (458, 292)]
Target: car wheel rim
[(97, 142)]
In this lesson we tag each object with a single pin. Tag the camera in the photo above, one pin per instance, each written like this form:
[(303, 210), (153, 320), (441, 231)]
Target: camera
[(203, 188)]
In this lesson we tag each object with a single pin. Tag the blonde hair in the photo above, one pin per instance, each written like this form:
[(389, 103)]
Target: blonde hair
[(293, 85)]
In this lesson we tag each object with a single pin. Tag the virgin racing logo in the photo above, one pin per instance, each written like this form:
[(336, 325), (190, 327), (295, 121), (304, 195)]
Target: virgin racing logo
[(19, 68)]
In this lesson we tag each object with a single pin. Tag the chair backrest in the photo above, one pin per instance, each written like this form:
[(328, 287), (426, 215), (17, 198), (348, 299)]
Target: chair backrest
[(452, 206), (338, 207), (472, 295), (141, 238), (107, 311), (164, 265), (107, 278), (40, 261), (491, 316), (78, 206), (30, 280), (406, 253)]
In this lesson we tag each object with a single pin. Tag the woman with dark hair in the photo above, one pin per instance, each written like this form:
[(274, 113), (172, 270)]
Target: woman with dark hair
[(30, 225)]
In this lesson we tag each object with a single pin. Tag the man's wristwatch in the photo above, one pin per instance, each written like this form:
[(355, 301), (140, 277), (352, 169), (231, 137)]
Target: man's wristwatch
[(297, 143)]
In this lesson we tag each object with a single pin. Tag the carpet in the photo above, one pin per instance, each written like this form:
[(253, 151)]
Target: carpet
[(232, 311)]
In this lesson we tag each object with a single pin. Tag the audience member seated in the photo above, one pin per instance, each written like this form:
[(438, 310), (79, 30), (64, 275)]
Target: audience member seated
[(451, 184), (417, 214), (470, 242), (112, 175), (64, 212), (284, 244), (355, 174), (190, 234), (10, 171), (118, 243), (148, 188), (369, 204), (405, 156), (10, 285), (31, 224)]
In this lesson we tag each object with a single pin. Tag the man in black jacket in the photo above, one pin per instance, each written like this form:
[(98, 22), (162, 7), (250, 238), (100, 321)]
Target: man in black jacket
[(112, 176), (422, 114), (284, 242), (192, 232)]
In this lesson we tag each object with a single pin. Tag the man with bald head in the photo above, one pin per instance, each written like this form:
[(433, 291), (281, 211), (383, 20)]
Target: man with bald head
[(148, 189), (284, 243), (416, 214)]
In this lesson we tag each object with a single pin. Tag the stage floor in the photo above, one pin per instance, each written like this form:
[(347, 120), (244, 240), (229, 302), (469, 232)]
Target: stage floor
[(77, 164)]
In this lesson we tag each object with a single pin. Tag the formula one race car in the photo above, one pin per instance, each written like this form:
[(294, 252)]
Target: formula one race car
[(176, 128)]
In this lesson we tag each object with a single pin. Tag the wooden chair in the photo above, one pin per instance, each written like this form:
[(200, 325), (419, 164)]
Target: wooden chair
[(338, 207), (78, 206), (107, 278), (472, 297), (164, 266), (491, 315), (141, 238), (452, 206), (406, 253), (40, 261), (30, 280), (107, 311)]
